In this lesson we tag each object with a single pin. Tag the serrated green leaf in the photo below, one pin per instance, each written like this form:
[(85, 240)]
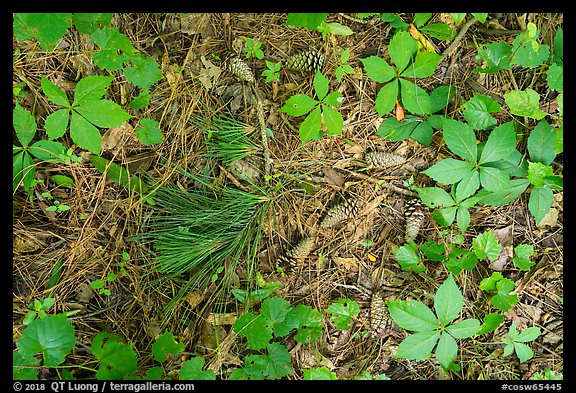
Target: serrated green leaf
[(441, 97), (402, 49), (541, 199), (274, 365), (378, 69), (395, 130), (23, 170), (344, 311), (84, 134), (141, 101), (440, 31), (449, 170), (559, 46), (468, 185), (517, 187), (298, 105), (103, 113), (458, 17), (53, 92), (412, 315), (56, 123), (24, 125), (418, 346), (333, 98), (527, 335), (408, 259), (386, 98), (394, 20), (497, 56), (480, 16), (460, 139), (538, 172), (191, 369), (477, 111), (310, 128), (52, 336), (503, 300), (256, 329), (87, 23), (525, 54), (422, 133), (491, 322), (421, 17), (166, 344), (48, 151), (555, 77), (500, 145), (522, 255), (275, 309), (339, 29), (464, 329), (446, 350), (333, 120), (486, 245), (494, 179), (460, 259), (148, 132), (46, 28), (91, 89), (435, 196), (423, 66), (489, 283), (434, 251), (318, 373), (307, 20), (21, 367), (541, 143), (414, 98), (115, 49), (523, 351), (145, 71), (448, 301), (524, 103), (116, 358)]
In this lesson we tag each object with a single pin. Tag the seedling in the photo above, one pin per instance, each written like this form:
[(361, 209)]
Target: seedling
[(343, 68), (501, 299), (516, 342), (252, 48), (39, 309), (272, 73)]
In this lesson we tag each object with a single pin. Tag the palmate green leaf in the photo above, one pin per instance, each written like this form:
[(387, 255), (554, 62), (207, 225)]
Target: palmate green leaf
[(418, 346), (517, 187), (319, 373), (191, 370), (538, 172), (386, 98), (503, 300), (48, 151), (460, 139), (91, 89), (395, 21), (489, 283), (298, 105), (84, 134), (486, 246), (522, 255), (148, 132), (423, 66), (497, 56), (119, 174), (526, 52), (468, 185), (422, 133), (166, 344), (477, 111), (412, 315), (493, 179), (378, 69), (103, 113), (402, 49), (480, 16), (421, 17), (414, 98), (501, 144), (115, 49), (460, 259), (446, 350), (445, 217), (46, 28), (145, 71), (87, 23), (24, 125), (343, 312), (116, 358), (310, 128), (395, 130), (449, 170), (274, 365), (441, 97), (463, 218), (408, 259), (524, 103), (296, 317), (21, 367), (541, 143), (53, 336), (458, 17), (448, 301), (56, 123), (333, 99), (53, 92), (256, 329), (527, 335), (275, 309), (541, 199), (491, 322)]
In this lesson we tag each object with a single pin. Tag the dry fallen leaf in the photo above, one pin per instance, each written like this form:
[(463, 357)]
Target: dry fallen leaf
[(115, 138), (550, 219), (348, 263), (505, 239)]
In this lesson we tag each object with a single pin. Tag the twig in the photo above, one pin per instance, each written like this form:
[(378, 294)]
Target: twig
[(459, 37), (262, 122), (497, 32)]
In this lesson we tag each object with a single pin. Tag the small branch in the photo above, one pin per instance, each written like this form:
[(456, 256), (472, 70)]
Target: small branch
[(459, 37)]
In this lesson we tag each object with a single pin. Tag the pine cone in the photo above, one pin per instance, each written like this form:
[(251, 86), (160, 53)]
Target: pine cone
[(307, 60), (342, 212), (382, 159), (298, 253), (240, 69), (413, 216), (379, 317)]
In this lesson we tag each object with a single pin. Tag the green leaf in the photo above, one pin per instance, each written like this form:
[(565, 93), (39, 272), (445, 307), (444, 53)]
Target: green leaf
[(517, 187), (440, 31), (446, 350), (394, 20), (274, 365), (468, 185), (441, 97), (414, 98), (21, 367), (448, 301), (496, 55), (489, 283), (166, 344), (310, 128), (141, 101), (408, 259), (275, 309), (395, 130), (524, 103), (555, 77), (434, 251), (526, 52), (344, 311), (477, 111), (522, 255), (148, 132), (418, 346), (54, 93), (321, 85), (115, 49), (449, 170), (378, 69), (318, 373), (333, 120), (116, 358), (421, 17), (460, 139), (256, 329), (87, 23), (464, 329), (527, 335), (402, 49), (486, 245), (338, 29), (56, 123), (103, 113), (503, 300), (191, 369), (424, 65), (460, 259), (53, 336), (386, 98), (491, 322), (48, 151), (458, 17), (91, 89), (333, 98), (445, 217), (423, 133), (523, 351), (119, 174), (298, 105), (46, 28), (412, 315), (23, 170), (308, 20), (494, 179), (559, 46), (541, 199), (538, 172), (24, 125), (84, 134), (541, 143), (435, 196), (500, 145), (144, 73)]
